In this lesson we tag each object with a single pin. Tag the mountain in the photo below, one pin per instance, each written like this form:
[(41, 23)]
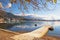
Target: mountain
[(33, 18), (5, 14), (9, 17)]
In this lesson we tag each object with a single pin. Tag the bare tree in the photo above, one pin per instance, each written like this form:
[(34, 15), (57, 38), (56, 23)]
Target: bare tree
[(34, 4)]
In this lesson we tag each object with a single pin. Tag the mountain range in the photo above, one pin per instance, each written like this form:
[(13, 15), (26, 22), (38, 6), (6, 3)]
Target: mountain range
[(5, 15)]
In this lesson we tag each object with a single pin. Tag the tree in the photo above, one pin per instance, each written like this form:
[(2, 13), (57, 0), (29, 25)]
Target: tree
[(34, 4)]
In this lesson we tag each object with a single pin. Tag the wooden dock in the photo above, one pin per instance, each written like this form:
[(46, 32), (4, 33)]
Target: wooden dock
[(6, 34)]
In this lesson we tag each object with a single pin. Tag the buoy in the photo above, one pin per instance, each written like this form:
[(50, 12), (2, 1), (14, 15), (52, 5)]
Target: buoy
[(35, 24)]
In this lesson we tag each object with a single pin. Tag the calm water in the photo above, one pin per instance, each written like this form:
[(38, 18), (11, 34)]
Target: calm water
[(29, 26)]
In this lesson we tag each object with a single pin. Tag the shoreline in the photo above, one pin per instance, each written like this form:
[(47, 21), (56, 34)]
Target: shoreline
[(6, 34)]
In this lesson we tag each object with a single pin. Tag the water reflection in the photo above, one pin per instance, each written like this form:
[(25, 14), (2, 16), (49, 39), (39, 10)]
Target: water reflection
[(29, 26), (26, 26)]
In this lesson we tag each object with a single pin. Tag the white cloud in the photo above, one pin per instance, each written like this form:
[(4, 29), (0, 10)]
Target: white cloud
[(9, 5), (58, 1), (51, 16), (48, 16)]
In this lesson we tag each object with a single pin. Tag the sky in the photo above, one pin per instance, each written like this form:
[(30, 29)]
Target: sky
[(48, 14)]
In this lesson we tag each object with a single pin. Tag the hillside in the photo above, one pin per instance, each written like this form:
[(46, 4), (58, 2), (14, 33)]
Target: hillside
[(6, 16)]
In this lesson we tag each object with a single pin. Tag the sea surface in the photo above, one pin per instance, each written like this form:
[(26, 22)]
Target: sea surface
[(33, 25)]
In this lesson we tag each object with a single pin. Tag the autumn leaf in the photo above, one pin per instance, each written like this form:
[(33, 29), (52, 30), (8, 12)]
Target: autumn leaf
[(1, 5), (54, 1)]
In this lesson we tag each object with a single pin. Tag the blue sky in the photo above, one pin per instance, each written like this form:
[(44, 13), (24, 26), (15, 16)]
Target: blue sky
[(43, 12)]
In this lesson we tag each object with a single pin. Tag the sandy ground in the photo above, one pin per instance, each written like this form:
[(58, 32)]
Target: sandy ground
[(5, 35)]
